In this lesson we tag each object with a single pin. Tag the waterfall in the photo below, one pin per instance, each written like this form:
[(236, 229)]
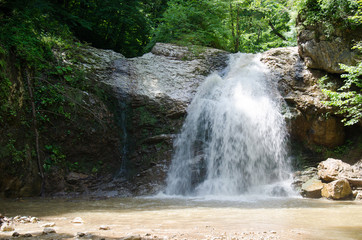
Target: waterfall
[(233, 139)]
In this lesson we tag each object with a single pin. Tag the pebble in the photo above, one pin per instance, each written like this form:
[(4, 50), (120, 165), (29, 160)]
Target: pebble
[(77, 220), (103, 227), (49, 224), (48, 230), (16, 234)]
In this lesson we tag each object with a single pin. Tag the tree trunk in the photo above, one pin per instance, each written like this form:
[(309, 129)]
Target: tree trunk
[(35, 127), (275, 31)]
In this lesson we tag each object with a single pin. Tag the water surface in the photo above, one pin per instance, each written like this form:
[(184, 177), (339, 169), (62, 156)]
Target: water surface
[(194, 218)]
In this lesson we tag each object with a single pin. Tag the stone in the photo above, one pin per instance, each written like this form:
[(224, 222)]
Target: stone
[(80, 234), (48, 230), (34, 220), (50, 224), (78, 220), (327, 52), (16, 234), (312, 188), (301, 177), (26, 235), (104, 227), (133, 237), (338, 189), (74, 177), (7, 227), (333, 169)]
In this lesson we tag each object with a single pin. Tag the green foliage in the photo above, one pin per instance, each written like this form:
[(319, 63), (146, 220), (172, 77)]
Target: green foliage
[(54, 157), (348, 98), (247, 26), (334, 14)]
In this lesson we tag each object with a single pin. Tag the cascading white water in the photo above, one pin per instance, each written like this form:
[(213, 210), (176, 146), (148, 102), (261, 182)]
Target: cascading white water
[(233, 139)]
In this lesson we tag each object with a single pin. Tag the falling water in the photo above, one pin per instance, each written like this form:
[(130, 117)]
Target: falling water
[(233, 140)]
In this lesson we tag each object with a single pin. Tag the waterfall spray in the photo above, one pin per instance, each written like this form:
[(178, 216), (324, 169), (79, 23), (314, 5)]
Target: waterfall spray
[(233, 139)]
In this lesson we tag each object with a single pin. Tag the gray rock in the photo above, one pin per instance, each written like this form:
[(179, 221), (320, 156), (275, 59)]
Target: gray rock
[(48, 230), (312, 188), (301, 177), (327, 52)]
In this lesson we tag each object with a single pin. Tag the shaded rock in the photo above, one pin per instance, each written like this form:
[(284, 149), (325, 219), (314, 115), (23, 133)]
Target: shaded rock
[(80, 234), (74, 177), (26, 235), (339, 189), (333, 169), (48, 230), (16, 234), (312, 188), (301, 177)]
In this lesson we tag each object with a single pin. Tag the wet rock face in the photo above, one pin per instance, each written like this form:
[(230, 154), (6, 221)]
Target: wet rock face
[(320, 51), (155, 90), (309, 120)]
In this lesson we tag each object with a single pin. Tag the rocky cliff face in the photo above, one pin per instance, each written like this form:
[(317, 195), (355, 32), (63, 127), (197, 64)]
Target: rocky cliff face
[(150, 95), (326, 52), (154, 90), (309, 120)]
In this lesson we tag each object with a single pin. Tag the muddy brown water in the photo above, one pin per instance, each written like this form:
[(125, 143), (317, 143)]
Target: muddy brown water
[(189, 218)]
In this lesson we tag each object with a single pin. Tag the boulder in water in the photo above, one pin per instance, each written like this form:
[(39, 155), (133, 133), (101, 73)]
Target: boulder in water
[(339, 189), (312, 188)]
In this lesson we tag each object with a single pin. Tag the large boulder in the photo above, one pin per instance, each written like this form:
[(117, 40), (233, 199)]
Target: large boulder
[(326, 51), (334, 169), (338, 189), (312, 188), (309, 120)]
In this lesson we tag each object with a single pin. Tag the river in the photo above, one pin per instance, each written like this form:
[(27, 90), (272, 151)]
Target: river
[(190, 218)]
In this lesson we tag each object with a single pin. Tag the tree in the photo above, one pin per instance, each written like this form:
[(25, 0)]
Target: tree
[(247, 26)]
